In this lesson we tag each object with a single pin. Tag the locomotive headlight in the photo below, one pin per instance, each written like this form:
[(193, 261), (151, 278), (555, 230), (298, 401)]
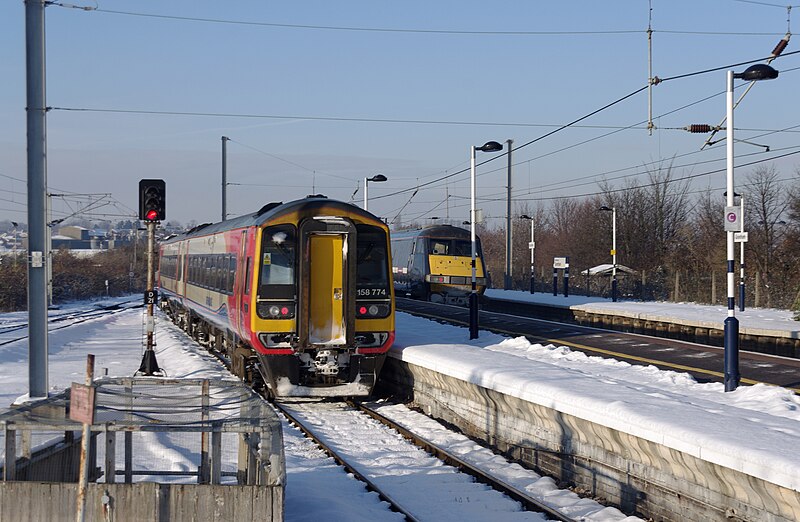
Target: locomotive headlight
[(373, 310), (274, 311)]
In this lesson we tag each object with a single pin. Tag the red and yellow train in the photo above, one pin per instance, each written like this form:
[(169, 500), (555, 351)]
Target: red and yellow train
[(298, 296)]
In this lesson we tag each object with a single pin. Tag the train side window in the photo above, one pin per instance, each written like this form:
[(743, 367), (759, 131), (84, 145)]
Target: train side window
[(401, 250), (247, 276), (231, 273), (193, 270)]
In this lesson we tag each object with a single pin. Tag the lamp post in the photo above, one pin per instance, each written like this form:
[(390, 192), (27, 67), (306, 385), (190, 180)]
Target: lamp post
[(489, 146), (531, 245), (613, 211), (731, 327), (508, 276), (375, 178)]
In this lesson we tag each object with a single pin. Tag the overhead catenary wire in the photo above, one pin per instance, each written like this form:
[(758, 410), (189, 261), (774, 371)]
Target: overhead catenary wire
[(223, 21)]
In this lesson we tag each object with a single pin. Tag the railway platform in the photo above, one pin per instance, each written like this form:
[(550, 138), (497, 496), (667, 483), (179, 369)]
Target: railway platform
[(762, 330)]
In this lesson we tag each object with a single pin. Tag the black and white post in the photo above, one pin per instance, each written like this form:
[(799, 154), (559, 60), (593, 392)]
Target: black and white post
[(732, 225)]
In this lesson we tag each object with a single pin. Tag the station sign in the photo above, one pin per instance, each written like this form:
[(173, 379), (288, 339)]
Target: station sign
[(740, 237), (560, 262)]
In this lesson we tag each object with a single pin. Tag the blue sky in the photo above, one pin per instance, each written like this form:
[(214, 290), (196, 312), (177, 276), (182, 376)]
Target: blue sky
[(452, 63)]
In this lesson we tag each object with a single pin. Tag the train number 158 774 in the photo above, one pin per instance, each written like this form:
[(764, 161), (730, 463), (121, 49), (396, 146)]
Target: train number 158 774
[(371, 292)]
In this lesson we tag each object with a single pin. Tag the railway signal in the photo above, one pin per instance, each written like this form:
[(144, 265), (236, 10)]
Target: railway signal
[(152, 200), (152, 209)]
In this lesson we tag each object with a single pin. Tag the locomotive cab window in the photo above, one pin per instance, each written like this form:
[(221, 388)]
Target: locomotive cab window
[(452, 247), (277, 263), (372, 267), (462, 247)]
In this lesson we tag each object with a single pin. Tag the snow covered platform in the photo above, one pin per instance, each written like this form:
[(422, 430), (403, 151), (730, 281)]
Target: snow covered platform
[(654, 443), (207, 447), (763, 330)]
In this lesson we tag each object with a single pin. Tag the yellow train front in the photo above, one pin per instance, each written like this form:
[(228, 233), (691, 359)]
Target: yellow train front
[(435, 264), (311, 303)]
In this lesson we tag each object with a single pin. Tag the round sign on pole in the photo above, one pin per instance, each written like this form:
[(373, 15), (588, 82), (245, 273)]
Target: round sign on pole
[(732, 219)]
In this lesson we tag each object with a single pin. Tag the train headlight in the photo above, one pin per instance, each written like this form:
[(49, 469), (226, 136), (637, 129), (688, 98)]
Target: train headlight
[(267, 310), (373, 310)]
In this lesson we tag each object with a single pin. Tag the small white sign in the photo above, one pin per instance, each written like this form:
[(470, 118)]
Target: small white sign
[(37, 260), (740, 237), (560, 262), (531, 245)]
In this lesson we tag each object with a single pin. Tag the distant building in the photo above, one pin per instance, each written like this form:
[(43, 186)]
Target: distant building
[(73, 237)]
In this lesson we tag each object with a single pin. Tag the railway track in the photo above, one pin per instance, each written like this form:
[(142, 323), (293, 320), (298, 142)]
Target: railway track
[(418, 478), (69, 318)]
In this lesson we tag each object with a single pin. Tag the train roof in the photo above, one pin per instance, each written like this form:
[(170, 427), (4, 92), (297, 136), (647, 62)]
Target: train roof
[(271, 211), (445, 231)]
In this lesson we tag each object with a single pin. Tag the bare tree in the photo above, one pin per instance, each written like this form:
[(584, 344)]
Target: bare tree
[(765, 203)]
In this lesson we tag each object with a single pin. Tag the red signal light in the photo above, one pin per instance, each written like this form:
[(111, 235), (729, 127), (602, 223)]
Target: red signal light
[(151, 215), (285, 310), (363, 310)]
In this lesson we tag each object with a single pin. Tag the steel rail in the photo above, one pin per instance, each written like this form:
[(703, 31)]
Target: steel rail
[(394, 505), (530, 503)]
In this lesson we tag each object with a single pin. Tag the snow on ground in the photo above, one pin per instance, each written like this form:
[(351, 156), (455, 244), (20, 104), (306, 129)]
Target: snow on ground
[(757, 427)]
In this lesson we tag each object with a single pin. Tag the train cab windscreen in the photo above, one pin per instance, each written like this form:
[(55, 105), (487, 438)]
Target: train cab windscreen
[(372, 267), (277, 271)]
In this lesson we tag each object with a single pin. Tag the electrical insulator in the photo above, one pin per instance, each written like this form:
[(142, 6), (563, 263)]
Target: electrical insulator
[(780, 47), (699, 128)]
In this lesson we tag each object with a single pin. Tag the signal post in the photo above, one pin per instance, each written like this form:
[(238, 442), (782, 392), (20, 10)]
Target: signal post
[(152, 210)]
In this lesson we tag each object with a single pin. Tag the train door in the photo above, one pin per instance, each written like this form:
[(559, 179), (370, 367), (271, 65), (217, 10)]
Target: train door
[(327, 289), (326, 321)]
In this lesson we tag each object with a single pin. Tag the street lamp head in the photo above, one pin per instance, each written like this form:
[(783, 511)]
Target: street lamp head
[(377, 177), (465, 223), (759, 71), (525, 216), (490, 146), (606, 209)]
